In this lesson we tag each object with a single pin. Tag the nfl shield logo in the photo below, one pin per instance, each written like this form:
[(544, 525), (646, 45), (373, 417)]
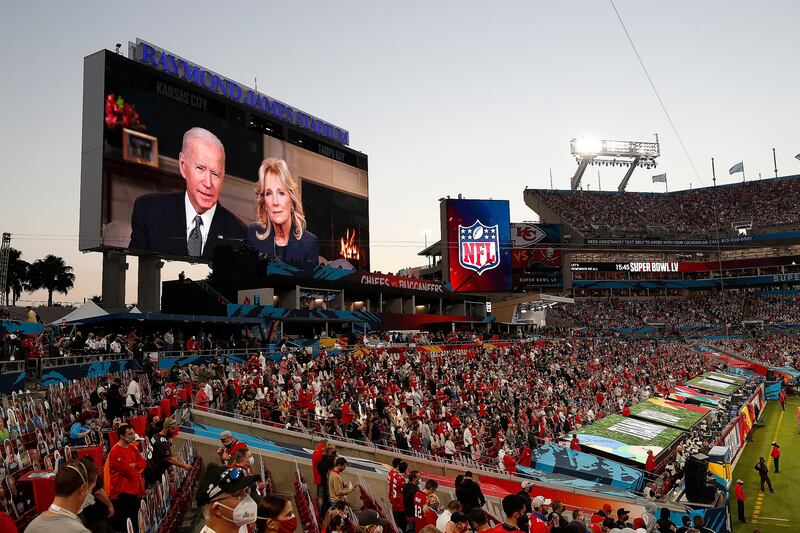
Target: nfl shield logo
[(478, 247)]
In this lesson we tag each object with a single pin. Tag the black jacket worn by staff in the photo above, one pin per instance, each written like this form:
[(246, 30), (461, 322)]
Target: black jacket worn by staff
[(470, 495), (158, 224)]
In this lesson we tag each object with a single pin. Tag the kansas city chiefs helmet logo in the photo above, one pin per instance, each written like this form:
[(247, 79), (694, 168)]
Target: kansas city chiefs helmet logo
[(479, 247)]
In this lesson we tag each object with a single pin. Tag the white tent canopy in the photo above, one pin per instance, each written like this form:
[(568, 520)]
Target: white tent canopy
[(87, 310)]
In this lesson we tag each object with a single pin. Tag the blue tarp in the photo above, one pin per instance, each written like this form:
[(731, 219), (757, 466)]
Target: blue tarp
[(772, 389), (573, 482), (28, 328), (556, 459)]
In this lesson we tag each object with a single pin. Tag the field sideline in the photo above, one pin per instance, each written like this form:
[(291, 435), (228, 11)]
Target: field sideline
[(779, 512)]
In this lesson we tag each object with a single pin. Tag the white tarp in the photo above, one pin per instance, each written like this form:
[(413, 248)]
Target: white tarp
[(87, 310)]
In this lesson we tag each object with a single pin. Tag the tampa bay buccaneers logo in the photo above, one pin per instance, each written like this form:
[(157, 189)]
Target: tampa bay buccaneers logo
[(479, 247)]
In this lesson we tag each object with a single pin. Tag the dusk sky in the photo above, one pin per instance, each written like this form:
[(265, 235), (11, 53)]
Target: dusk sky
[(478, 98)]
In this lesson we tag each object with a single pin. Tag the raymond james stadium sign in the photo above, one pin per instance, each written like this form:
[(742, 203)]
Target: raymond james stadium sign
[(159, 59)]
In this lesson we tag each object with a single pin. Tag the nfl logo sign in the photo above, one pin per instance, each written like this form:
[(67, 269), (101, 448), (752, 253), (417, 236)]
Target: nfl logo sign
[(478, 247)]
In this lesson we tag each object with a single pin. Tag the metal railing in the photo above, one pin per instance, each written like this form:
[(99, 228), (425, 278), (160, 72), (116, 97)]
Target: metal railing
[(63, 360), (13, 366)]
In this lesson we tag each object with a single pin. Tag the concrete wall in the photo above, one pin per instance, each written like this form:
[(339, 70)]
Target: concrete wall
[(283, 467)]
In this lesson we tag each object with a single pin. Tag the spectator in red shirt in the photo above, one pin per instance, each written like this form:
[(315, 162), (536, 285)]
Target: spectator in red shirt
[(229, 446), (575, 444), (650, 465), (397, 480), (201, 400), (525, 456), (775, 453), (125, 482), (315, 459), (422, 514), (510, 464)]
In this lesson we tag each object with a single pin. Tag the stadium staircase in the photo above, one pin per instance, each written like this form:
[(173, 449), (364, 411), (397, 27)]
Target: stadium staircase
[(211, 291)]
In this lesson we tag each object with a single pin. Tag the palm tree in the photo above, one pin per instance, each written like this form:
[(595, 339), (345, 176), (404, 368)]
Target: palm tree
[(17, 275), (51, 274)]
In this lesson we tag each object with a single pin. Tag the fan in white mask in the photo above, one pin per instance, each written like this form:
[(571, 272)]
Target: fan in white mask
[(74, 484), (225, 495)]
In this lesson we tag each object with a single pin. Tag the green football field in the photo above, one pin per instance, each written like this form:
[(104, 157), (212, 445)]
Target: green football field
[(779, 512)]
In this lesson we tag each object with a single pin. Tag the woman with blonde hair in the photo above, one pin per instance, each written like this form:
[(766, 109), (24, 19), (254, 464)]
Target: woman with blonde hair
[(280, 231)]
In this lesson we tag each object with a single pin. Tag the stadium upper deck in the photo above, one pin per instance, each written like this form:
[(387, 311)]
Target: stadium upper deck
[(762, 207)]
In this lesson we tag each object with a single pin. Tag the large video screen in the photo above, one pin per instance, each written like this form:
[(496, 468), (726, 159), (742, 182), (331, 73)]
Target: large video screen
[(627, 438), (673, 414), (478, 244), (181, 176), (535, 255), (709, 383)]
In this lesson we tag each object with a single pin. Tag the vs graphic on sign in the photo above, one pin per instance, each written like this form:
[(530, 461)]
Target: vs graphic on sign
[(478, 247), (478, 244)]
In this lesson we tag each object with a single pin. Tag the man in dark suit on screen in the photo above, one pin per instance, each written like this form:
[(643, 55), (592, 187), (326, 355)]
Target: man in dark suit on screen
[(190, 223)]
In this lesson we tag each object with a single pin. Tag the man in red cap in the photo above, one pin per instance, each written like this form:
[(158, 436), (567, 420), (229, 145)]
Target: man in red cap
[(604, 512)]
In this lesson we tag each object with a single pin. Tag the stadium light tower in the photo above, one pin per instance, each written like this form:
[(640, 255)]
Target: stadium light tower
[(588, 151)]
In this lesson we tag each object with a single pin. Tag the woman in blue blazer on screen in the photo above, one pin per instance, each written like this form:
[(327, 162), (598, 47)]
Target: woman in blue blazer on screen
[(281, 231)]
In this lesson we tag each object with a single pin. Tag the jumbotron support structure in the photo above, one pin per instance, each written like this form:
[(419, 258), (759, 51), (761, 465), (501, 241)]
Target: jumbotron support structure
[(629, 154)]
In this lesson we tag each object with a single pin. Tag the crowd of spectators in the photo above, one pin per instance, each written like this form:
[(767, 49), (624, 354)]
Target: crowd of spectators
[(773, 350), (477, 405), (689, 213), (697, 310)]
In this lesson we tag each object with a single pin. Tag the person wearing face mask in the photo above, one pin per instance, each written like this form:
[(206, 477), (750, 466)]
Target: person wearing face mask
[(229, 446), (162, 457), (275, 515), (73, 489), (153, 426), (224, 495), (244, 459), (97, 515), (123, 477)]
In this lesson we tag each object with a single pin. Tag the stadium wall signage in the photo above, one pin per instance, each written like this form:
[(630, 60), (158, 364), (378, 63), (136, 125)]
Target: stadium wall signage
[(160, 59), (781, 235), (400, 282)]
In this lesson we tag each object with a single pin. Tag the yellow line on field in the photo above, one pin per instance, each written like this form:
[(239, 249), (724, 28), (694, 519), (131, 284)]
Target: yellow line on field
[(777, 429)]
